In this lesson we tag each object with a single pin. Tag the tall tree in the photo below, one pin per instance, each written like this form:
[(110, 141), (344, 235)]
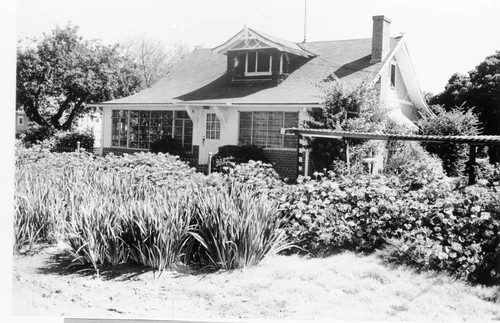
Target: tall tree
[(479, 91), (60, 74), (152, 58)]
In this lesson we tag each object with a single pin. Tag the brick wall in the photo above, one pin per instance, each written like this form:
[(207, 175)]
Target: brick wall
[(380, 38), (283, 161)]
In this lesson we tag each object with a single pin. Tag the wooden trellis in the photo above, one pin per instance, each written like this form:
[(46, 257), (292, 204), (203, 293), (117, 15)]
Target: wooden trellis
[(472, 141)]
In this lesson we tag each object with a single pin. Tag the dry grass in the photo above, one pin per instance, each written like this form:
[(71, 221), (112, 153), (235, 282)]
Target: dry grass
[(342, 287)]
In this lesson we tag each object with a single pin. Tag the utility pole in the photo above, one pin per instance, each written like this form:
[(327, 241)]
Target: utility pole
[(305, 19)]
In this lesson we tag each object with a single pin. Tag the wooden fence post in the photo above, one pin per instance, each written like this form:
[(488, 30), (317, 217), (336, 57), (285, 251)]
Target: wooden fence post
[(472, 163), (347, 159), (209, 171)]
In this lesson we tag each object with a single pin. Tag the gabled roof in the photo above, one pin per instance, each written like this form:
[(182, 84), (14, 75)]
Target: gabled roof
[(200, 78), (252, 39)]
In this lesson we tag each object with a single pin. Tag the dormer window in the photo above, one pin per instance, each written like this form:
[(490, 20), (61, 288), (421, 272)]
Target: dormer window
[(258, 63)]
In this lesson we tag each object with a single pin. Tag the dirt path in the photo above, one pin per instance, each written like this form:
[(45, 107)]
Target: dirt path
[(345, 287)]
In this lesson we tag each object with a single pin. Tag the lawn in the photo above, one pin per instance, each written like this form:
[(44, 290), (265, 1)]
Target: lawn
[(346, 286)]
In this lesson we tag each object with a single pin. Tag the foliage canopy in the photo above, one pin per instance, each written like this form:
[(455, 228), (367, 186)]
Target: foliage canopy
[(58, 75), (478, 91)]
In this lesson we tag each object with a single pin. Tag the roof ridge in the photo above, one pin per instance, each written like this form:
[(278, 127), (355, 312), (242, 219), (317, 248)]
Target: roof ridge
[(339, 40)]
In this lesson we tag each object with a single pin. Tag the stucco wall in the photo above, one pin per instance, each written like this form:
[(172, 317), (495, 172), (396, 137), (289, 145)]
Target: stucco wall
[(398, 97)]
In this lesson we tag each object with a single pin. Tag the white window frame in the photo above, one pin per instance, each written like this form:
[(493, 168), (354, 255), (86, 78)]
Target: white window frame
[(211, 131), (247, 73), (20, 120)]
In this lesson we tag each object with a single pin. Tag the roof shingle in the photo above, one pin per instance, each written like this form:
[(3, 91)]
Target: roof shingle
[(200, 77)]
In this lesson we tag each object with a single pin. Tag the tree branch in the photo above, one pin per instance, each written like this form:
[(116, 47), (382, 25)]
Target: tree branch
[(76, 109), (62, 108)]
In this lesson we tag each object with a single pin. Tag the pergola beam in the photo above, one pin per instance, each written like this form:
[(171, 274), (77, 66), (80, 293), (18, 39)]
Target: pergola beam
[(472, 141), (324, 133)]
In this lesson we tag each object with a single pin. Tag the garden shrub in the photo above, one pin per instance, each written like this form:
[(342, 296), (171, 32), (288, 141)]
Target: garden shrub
[(401, 154), (344, 212), (487, 174), (168, 145), (458, 234), (37, 134), (425, 219), (241, 154), (69, 140), (258, 175), (449, 123)]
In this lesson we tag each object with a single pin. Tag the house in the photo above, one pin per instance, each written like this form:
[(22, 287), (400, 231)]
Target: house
[(245, 90), (22, 121)]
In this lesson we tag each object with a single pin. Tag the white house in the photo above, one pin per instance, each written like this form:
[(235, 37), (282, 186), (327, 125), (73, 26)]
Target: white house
[(245, 90)]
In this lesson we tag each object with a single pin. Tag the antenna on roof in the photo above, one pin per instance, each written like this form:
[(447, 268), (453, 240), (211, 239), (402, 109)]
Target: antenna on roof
[(305, 19)]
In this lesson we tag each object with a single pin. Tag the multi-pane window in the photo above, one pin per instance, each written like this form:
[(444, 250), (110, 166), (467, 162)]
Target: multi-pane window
[(137, 129), (119, 128), (258, 63), (183, 129), (213, 126), (263, 129)]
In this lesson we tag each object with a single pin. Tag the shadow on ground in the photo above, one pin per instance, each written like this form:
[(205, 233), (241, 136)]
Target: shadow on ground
[(59, 262)]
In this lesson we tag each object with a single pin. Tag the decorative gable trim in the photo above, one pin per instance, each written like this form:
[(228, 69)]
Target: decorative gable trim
[(249, 39)]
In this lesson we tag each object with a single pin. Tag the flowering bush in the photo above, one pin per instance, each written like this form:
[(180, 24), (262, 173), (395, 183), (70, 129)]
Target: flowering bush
[(425, 219)]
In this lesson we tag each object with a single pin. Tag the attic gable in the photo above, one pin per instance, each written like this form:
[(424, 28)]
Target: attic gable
[(250, 39)]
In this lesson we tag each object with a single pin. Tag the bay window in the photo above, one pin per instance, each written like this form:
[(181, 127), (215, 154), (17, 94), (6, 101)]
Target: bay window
[(137, 129)]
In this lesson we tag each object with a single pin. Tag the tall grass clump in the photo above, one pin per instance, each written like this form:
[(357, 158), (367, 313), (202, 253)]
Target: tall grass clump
[(43, 194), (233, 228), (155, 229), (147, 209)]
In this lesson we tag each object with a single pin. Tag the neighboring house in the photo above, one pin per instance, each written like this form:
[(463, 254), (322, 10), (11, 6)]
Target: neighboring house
[(22, 121), (245, 90), (91, 122)]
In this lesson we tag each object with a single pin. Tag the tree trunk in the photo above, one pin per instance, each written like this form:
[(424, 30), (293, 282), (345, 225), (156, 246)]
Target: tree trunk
[(33, 114), (54, 120), (76, 109)]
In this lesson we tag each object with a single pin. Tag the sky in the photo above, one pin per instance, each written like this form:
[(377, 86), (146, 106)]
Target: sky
[(444, 37)]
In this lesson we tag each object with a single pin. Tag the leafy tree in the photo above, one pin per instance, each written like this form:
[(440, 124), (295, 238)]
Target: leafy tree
[(348, 107), (60, 74), (479, 91), (449, 123), (152, 59)]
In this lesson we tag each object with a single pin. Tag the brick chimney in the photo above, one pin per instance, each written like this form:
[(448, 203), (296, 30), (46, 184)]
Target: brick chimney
[(381, 38)]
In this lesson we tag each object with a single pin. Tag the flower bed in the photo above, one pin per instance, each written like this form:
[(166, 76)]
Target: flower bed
[(156, 210)]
